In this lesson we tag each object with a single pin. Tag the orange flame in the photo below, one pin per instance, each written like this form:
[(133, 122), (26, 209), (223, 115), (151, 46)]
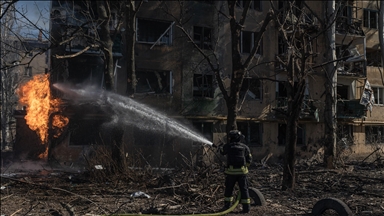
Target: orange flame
[(36, 95)]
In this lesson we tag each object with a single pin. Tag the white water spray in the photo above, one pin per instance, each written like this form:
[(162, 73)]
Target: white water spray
[(129, 112)]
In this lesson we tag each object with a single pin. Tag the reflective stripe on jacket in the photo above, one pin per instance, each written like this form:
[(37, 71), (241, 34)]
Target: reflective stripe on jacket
[(236, 171)]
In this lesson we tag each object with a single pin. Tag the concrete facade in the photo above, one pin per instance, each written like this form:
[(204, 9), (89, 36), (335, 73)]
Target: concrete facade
[(180, 83)]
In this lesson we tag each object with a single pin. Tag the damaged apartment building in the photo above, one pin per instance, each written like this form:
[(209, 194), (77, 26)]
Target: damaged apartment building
[(173, 77)]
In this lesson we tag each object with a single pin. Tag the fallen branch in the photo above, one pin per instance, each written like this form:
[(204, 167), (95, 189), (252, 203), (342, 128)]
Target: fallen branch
[(3, 198), (168, 187), (370, 155), (54, 188), (14, 213)]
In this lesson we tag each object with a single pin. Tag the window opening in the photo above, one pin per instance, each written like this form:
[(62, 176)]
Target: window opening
[(202, 85), (154, 32), (202, 37), (345, 131), (378, 93), (252, 132), (342, 92), (247, 42), (154, 81), (374, 134), (251, 88), (370, 18)]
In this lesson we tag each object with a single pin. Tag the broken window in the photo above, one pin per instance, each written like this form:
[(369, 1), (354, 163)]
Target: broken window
[(205, 128), (251, 89), (247, 42), (345, 12), (345, 131), (252, 132), (343, 92), (374, 134), (202, 85), (202, 37), (370, 18), (378, 93), (154, 81), (153, 31), (282, 131)]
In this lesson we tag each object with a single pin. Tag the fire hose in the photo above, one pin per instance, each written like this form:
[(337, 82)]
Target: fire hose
[(203, 214)]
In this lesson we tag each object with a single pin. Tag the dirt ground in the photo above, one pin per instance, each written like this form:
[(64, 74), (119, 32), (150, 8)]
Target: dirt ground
[(31, 188)]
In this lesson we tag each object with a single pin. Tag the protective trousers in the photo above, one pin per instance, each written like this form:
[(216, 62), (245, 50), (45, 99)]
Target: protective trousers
[(230, 181)]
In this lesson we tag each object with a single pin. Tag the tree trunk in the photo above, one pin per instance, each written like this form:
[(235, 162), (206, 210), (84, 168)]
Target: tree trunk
[(103, 8), (330, 88), (131, 40), (381, 32), (106, 40)]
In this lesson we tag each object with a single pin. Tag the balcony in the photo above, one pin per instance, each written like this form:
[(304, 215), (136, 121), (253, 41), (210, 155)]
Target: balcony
[(308, 110), (350, 109), (354, 66), (349, 26)]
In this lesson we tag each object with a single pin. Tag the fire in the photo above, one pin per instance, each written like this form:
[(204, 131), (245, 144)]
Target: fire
[(36, 95)]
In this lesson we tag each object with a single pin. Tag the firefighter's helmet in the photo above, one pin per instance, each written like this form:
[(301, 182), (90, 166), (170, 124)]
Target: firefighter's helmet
[(235, 135)]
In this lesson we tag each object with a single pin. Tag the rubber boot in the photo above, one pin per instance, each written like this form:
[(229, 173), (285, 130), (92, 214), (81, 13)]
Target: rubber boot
[(246, 208)]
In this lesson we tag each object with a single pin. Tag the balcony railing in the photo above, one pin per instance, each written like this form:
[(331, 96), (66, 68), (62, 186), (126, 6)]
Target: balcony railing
[(347, 25), (308, 110), (355, 67), (350, 109)]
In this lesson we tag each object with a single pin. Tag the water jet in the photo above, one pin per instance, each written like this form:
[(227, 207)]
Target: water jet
[(126, 111)]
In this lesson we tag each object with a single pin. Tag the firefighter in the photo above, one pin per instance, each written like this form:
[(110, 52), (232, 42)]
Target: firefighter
[(238, 159)]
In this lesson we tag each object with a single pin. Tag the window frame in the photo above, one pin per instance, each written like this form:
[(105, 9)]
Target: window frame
[(367, 18), (207, 89), (371, 137), (259, 51), (167, 32), (249, 81), (168, 77), (205, 41), (378, 93), (252, 131)]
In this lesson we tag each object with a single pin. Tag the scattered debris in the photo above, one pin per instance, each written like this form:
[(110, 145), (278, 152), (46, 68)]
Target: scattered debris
[(140, 194)]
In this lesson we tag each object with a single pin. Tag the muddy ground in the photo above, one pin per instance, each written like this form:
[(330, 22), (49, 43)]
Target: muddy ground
[(40, 189)]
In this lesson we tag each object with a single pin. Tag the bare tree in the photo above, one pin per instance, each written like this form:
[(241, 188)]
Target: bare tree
[(15, 54), (330, 88), (240, 65), (130, 22), (298, 30)]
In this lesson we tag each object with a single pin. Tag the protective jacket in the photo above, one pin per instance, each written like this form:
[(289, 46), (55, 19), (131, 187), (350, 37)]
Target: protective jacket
[(238, 158)]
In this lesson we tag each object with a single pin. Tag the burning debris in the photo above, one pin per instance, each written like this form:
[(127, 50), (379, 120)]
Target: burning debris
[(43, 111)]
